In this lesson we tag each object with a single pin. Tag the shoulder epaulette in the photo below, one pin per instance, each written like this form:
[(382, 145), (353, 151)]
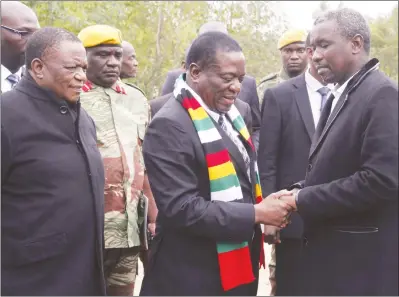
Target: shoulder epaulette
[(269, 77), (87, 86), (136, 87)]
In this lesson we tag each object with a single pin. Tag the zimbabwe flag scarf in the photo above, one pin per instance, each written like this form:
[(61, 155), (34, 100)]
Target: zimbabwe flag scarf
[(234, 258)]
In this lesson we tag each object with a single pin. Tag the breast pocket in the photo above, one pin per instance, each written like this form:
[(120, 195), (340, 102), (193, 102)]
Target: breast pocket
[(40, 249)]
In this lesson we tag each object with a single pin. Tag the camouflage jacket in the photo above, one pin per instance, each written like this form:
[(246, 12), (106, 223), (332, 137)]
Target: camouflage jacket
[(270, 81), (121, 115)]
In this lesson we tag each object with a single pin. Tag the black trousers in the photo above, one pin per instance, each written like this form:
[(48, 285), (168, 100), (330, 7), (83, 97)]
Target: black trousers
[(288, 267)]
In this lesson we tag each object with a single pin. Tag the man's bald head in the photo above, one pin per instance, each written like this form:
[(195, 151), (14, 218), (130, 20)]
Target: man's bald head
[(16, 16), (212, 26), (129, 61)]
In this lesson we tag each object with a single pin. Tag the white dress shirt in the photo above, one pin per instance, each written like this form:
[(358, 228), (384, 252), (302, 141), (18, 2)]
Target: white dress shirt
[(315, 97), (5, 84), (337, 92)]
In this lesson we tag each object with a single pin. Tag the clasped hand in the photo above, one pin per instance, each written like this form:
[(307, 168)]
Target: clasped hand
[(275, 209)]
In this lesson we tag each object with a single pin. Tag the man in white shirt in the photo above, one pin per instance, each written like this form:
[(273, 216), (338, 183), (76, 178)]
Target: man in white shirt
[(18, 23), (349, 198), (291, 112)]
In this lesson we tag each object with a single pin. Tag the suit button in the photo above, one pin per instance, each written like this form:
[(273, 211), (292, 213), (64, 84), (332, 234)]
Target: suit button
[(63, 109), (310, 166)]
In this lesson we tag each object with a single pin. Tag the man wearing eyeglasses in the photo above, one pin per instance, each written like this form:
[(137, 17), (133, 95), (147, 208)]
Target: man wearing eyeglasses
[(18, 23)]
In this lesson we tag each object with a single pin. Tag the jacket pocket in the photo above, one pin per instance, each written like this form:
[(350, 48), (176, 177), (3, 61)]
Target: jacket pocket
[(40, 249), (355, 229)]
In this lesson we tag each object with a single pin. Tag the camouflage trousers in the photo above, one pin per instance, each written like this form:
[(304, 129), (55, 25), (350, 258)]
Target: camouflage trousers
[(120, 268), (272, 271)]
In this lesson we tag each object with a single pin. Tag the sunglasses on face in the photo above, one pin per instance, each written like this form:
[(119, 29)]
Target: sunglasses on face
[(22, 34)]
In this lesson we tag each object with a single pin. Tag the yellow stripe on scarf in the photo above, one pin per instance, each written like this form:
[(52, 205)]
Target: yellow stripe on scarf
[(197, 114), (222, 170)]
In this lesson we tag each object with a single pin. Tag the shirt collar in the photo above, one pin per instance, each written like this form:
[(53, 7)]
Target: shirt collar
[(6, 73), (212, 113), (313, 83), (338, 90)]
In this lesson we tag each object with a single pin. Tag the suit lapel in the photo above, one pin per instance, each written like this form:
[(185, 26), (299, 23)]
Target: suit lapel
[(301, 96)]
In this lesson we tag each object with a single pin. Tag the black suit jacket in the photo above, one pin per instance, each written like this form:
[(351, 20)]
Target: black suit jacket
[(285, 139), (157, 103), (350, 200), (52, 196), (247, 94), (188, 223)]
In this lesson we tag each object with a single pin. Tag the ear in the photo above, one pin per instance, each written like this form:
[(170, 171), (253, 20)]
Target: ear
[(357, 43), (194, 71), (37, 67)]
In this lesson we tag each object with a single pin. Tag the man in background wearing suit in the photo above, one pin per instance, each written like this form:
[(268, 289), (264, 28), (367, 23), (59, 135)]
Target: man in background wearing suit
[(349, 198), (291, 112), (18, 23), (202, 170), (248, 91)]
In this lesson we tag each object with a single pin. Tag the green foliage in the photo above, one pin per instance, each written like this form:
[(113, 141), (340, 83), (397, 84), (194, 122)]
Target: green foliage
[(384, 43), (162, 30)]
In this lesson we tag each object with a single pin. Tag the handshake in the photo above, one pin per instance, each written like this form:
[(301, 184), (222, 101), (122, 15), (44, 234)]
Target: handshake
[(275, 209)]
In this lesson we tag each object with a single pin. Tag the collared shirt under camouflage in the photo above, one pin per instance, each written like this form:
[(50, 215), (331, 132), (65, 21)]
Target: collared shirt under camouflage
[(121, 114), (270, 81)]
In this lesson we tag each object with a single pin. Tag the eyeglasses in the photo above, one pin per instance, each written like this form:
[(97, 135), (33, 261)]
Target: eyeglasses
[(22, 34)]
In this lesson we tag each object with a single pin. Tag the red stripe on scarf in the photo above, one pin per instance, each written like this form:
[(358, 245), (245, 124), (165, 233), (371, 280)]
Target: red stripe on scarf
[(235, 268), (217, 158), (191, 103)]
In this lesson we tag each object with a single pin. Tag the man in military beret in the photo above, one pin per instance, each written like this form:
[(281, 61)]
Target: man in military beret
[(120, 116), (294, 61)]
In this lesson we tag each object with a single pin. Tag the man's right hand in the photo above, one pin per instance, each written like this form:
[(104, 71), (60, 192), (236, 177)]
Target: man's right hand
[(272, 211)]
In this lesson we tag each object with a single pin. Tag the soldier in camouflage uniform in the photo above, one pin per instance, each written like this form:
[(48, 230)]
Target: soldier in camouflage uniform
[(270, 81), (294, 62), (121, 114)]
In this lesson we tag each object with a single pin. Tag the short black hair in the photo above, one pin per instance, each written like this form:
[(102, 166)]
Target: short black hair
[(350, 23), (204, 47), (307, 42), (43, 40)]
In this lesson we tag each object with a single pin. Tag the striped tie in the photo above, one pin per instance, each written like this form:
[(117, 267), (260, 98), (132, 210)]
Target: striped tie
[(323, 91), (13, 79), (237, 142)]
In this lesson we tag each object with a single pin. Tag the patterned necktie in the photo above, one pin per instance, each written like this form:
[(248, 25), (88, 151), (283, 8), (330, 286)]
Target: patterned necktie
[(237, 142), (13, 79), (323, 91)]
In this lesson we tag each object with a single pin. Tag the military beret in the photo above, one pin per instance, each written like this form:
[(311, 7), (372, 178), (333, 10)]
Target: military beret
[(291, 36), (100, 34)]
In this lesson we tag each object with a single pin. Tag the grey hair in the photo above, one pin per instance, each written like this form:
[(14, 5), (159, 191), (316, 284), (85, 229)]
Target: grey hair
[(350, 23)]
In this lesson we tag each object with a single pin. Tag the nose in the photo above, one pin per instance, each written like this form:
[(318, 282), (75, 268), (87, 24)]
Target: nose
[(316, 56), (236, 86), (294, 56), (80, 75), (113, 61), (136, 63)]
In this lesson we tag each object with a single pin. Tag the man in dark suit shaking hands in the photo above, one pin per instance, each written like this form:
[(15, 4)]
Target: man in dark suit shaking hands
[(201, 165), (349, 199), (291, 112)]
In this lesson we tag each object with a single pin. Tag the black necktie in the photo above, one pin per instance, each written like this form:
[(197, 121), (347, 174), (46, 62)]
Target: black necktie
[(325, 113)]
